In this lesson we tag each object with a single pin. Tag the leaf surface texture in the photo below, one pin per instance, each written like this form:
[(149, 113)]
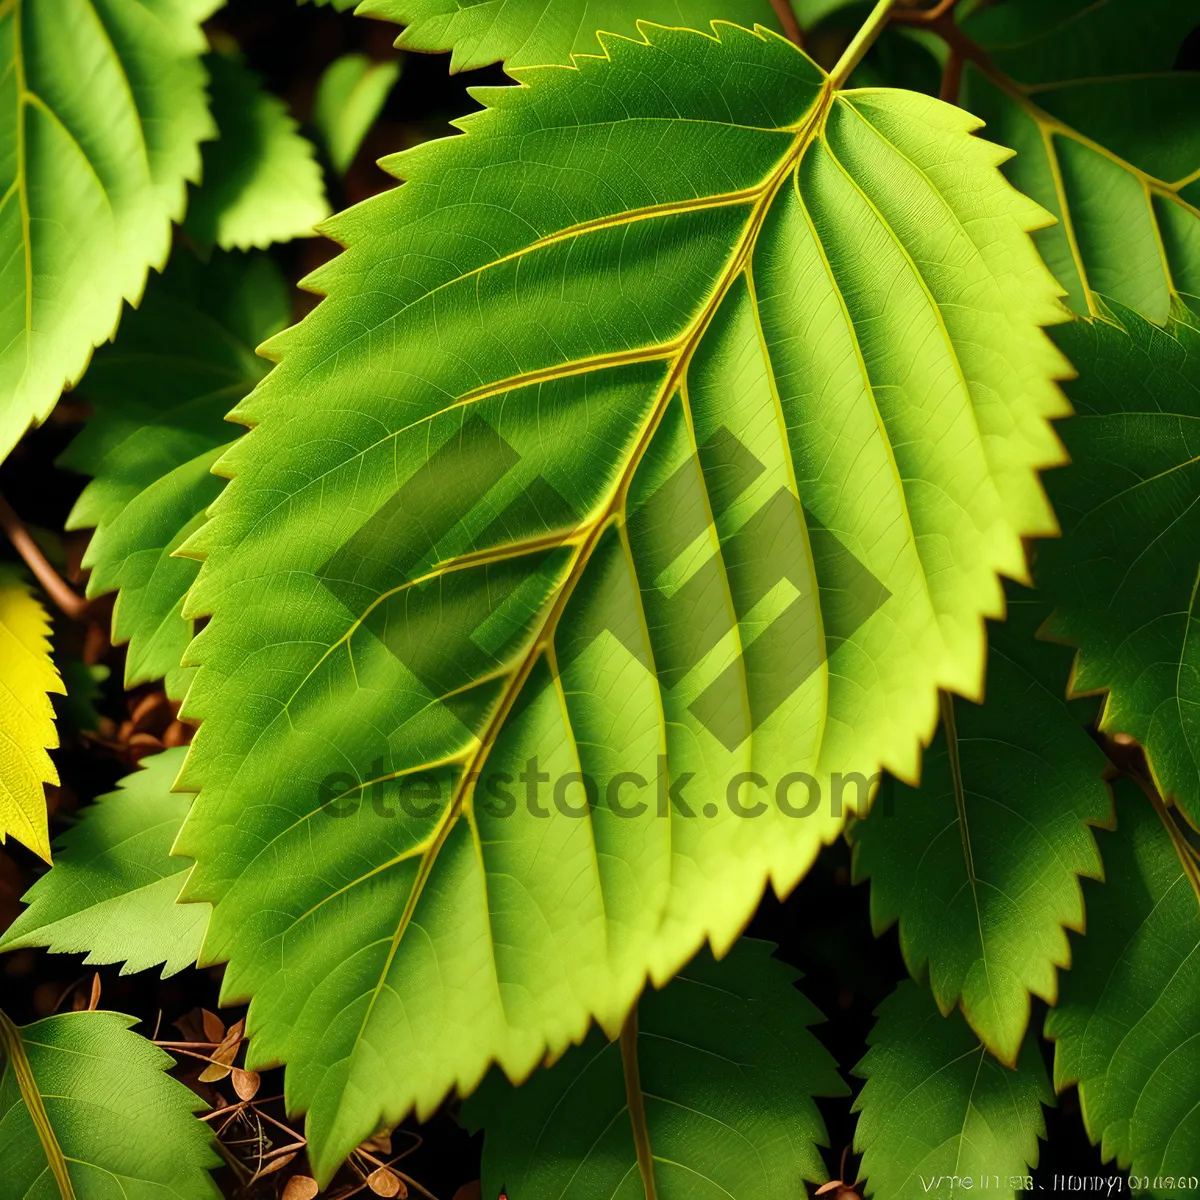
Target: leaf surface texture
[(114, 884), (102, 110), (27, 731), (1127, 1025), (725, 1070), (699, 476), (159, 397), (936, 1104), (82, 1095), (981, 863)]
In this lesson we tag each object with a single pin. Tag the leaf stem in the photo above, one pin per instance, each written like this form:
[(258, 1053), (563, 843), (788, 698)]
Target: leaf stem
[(56, 588), (789, 21), (636, 1103), (862, 41), (14, 1050)]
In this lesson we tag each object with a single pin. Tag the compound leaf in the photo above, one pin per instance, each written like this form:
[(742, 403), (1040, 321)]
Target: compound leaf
[(102, 111), (537, 32), (701, 479), (350, 95), (1107, 138), (159, 398), (262, 182), (27, 731), (935, 1103), (713, 1082), (112, 889), (1123, 575), (87, 1112), (981, 863)]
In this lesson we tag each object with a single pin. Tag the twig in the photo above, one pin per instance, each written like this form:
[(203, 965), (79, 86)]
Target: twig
[(787, 18), (922, 16), (952, 76), (57, 589)]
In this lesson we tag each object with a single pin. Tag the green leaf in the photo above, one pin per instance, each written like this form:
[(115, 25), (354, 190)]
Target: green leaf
[(87, 1113), (711, 1084), (27, 677), (935, 1103), (536, 32), (523, 487), (262, 182), (1115, 157), (1127, 1025), (980, 864), (111, 892), (159, 398), (350, 95), (1123, 575), (102, 110)]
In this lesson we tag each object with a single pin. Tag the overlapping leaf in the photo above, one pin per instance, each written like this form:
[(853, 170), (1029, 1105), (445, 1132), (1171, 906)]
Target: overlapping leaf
[(528, 33), (935, 1104), (1107, 138), (27, 676), (262, 182), (1127, 1025), (699, 477), (102, 110), (113, 886), (350, 95), (981, 863), (1123, 575), (712, 1087), (159, 399), (87, 1113)]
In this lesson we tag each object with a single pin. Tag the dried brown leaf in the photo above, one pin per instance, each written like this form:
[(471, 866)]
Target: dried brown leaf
[(379, 1143), (300, 1187), (94, 1001), (275, 1164), (470, 1191), (214, 1072), (213, 1026), (386, 1183), (245, 1083)]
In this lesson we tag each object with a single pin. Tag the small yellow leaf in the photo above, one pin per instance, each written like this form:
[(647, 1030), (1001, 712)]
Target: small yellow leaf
[(27, 730), (214, 1027)]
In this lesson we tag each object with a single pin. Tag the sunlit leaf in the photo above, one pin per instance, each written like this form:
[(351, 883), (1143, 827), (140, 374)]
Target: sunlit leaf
[(350, 95), (27, 676), (537, 32), (111, 892), (102, 110), (262, 182), (609, 479), (87, 1110)]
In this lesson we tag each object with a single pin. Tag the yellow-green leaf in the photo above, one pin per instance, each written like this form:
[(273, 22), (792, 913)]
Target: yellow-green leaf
[(27, 731)]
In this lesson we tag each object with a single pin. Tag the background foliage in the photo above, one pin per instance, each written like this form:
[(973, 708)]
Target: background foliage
[(690, 209)]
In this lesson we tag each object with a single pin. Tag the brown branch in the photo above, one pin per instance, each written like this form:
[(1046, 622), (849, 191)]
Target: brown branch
[(952, 76), (922, 16), (787, 18), (74, 605)]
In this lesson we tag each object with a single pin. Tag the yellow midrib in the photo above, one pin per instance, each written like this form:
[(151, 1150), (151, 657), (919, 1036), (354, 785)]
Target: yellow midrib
[(14, 1050), (590, 533)]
